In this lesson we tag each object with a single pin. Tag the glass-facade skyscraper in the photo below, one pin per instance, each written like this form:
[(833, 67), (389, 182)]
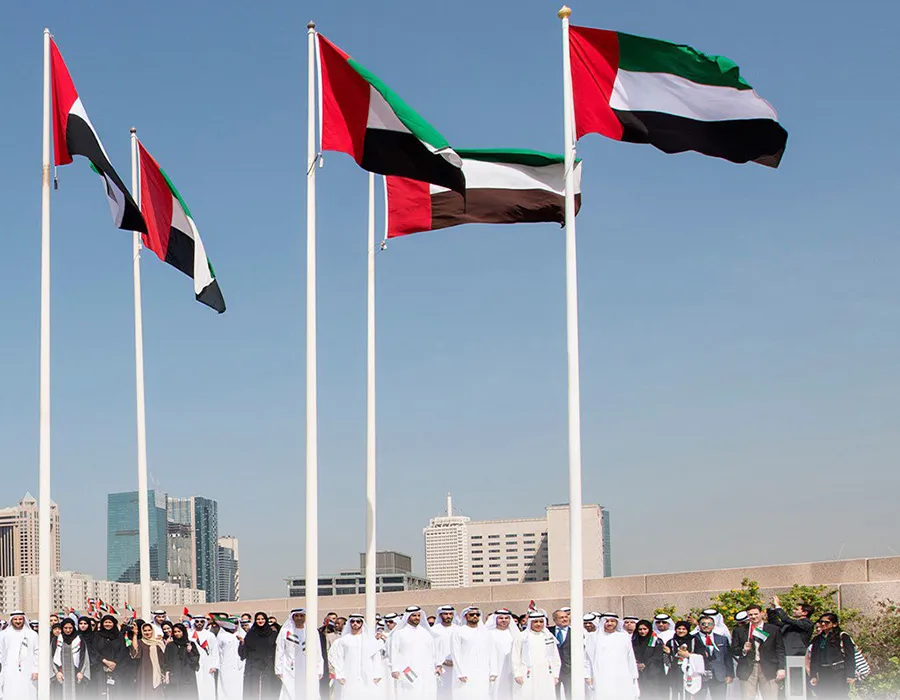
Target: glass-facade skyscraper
[(122, 545)]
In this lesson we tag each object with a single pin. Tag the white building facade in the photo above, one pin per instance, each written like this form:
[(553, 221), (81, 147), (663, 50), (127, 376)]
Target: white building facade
[(462, 552), (71, 589)]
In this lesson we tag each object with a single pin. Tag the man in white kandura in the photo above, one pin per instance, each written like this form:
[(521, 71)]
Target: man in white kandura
[(205, 641), (535, 661), (19, 658), (610, 667), (501, 635), (470, 653), (290, 655), (443, 626), (356, 659), (414, 663), (230, 684)]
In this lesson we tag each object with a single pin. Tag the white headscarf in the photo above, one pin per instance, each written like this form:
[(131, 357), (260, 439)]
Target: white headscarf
[(289, 628), (491, 622), (669, 633), (444, 609), (461, 617), (719, 622), (601, 627), (591, 617), (405, 621)]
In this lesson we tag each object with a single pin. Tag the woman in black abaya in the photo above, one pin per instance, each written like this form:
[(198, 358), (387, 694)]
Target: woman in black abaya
[(183, 661), (258, 652)]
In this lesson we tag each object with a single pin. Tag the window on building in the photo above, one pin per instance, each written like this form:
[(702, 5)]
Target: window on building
[(493, 537), (494, 566), (493, 558), (476, 537), (493, 551), (495, 580)]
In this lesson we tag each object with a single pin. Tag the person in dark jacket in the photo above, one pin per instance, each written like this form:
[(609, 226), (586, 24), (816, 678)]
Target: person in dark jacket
[(759, 650), (796, 630), (108, 649), (258, 651), (183, 661), (649, 657), (832, 660), (719, 662), (680, 647)]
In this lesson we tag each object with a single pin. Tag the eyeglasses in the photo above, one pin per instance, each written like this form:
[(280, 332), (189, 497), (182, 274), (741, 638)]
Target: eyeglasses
[(473, 614), (355, 622)]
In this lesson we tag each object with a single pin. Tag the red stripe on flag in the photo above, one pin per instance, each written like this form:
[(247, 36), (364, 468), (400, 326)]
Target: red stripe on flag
[(345, 102), (64, 96), (409, 206), (156, 204), (595, 61)]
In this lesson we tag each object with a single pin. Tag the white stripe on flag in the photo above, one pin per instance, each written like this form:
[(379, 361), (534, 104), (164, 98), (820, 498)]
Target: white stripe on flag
[(672, 94)]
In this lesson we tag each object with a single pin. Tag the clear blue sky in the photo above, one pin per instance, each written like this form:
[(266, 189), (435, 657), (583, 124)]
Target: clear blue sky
[(740, 326)]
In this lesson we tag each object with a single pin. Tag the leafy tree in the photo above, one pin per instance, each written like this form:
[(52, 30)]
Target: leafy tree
[(821, 598), (878, 637), (729, 603), (667, 610)]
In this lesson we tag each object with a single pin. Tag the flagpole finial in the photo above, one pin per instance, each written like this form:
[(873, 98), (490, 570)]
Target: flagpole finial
[(311, 25), (564, 12), (133, 130)]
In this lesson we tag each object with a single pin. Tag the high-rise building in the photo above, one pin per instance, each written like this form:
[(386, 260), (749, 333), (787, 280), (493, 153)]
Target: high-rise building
[(19, 537), (229, 569), (464, 552), (193, 544), (123, 561), (447, 550)]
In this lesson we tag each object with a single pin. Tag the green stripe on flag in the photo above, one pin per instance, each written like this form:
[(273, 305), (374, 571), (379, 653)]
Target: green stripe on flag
[(513, 156), (639, 54), (421, 129)]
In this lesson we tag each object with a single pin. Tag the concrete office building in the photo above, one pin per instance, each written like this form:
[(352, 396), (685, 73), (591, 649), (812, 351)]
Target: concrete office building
[(19, 536), (393, 573), (463, 552), (122, 546)]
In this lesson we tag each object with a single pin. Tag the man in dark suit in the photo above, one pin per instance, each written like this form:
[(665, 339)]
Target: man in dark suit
[(759, 649), (720, 663), (560, 630)]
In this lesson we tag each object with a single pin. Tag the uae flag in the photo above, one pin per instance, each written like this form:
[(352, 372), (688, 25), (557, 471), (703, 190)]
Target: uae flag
[(502, 187), (171, 232), (671, 96), (363, 117), (74, 135)]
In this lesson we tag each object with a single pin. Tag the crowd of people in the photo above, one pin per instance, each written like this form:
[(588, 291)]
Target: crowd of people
[(452, 655)]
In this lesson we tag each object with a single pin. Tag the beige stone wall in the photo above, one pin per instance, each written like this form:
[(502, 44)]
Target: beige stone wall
[(861, 583)]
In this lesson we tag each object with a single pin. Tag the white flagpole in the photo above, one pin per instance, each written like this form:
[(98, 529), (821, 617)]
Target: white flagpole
[(45, 600), (312, 439), (576, 572), (371, 551), (143, 495)]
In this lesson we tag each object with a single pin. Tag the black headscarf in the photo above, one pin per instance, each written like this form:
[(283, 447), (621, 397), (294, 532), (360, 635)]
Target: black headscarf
[(105, 633), (85, 634), (263, 630), (183, 642), (68, 638)]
